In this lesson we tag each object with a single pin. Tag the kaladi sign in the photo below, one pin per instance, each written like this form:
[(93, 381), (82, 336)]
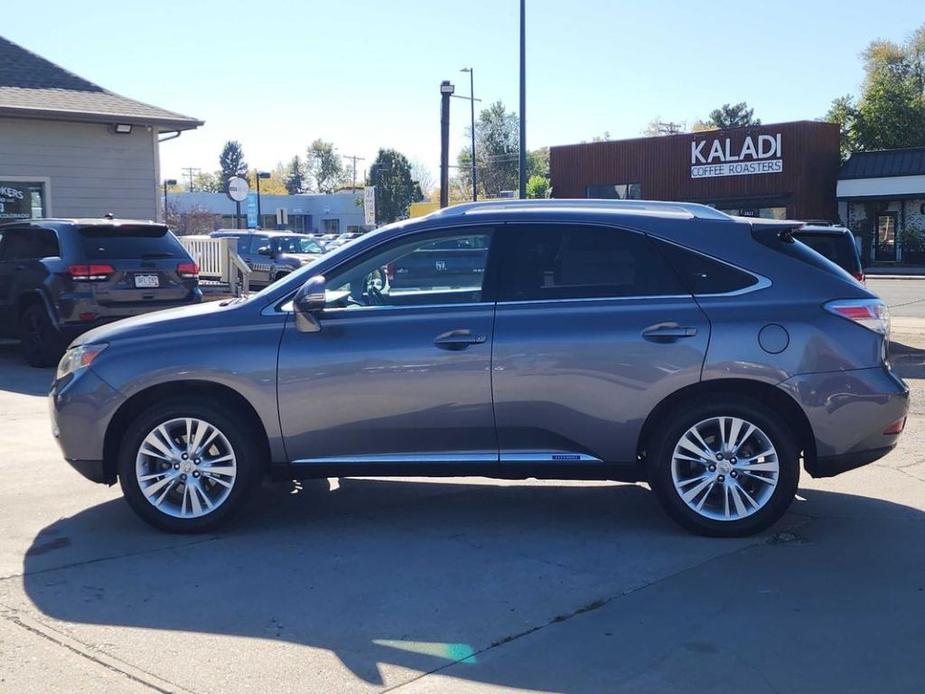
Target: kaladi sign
[(719, 157)]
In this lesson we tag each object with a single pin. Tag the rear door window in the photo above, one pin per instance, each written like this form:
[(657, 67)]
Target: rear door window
[(572, 261), (17, 245), (45, 243), (99, 242)]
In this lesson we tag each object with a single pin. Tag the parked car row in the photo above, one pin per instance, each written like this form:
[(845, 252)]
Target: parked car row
[(710, 356)]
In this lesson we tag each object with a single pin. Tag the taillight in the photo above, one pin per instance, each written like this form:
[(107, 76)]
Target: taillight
[(871, 313), (188, 270), (90, 273), (859, 276), (895, 428)]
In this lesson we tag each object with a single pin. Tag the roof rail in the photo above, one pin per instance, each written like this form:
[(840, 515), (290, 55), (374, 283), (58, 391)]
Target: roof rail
[(689, 209)]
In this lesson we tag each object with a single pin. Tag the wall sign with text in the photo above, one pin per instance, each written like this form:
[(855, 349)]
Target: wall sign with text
[(15, 201), (720, 157)]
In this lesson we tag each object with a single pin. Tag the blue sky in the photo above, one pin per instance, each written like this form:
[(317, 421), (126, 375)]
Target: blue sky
[(365, 74)]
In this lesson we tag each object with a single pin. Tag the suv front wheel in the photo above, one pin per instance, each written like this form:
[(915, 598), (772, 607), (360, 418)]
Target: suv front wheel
[(187, 465), (726, 469)]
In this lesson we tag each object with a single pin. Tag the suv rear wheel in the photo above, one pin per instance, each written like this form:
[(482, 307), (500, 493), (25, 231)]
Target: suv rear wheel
[(726, 469), (40, 341), (187, 465)]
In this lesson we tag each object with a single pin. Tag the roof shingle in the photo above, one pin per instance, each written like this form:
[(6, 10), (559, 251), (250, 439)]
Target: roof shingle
[(33, 86)]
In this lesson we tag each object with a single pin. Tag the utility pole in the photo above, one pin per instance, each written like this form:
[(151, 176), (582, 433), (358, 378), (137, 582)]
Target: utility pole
[(446, 91), (523, 100), (354, 158), (190, 172)]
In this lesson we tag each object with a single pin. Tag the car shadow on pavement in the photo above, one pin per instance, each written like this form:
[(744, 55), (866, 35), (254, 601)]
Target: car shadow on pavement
[(907, 361), (427, 575), (19, 377)]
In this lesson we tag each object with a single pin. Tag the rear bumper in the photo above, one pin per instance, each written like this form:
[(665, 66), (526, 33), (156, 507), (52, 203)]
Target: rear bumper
[(837, 464), (849, 411)]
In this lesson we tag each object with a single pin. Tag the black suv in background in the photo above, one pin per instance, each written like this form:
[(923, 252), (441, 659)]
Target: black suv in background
[(835, 243), (62, 277), (272, 254)]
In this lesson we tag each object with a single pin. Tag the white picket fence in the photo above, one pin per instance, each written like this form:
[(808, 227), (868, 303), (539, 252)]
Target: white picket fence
[(219, 262)]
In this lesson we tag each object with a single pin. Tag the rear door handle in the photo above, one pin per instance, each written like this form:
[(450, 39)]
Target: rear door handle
[(455, 340), (668, 332)]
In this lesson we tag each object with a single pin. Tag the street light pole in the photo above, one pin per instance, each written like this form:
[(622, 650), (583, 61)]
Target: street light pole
[(167, 182), (471, 71), (523, 102), (257, 177), (446, 90)]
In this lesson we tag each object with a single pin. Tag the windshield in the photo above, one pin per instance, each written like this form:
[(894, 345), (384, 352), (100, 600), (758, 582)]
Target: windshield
[(297, 244)]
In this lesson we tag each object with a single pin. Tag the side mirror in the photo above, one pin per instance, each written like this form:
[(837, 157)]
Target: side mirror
[(307, 302), (265, 250)]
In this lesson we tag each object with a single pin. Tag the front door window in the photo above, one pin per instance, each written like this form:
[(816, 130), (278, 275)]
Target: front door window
[(886, 236)]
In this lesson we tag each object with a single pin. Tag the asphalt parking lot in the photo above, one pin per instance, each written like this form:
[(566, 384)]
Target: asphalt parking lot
[(467, 585)]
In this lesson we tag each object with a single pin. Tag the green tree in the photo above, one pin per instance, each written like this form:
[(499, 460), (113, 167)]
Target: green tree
[(231, 161), (324, 168), (295, 177), (395, 188), (733, 116), (497, 133), (538, 187), (890, 112), (205, 182)]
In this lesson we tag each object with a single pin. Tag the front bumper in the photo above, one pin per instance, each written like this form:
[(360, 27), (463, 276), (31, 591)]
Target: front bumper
[(81, 406), (849, 411)]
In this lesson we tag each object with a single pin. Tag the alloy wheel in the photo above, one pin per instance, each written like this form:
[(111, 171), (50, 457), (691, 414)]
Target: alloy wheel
[(186, 467), (725, 468)]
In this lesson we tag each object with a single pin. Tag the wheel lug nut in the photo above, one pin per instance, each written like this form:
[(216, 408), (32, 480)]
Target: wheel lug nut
[(732, 460), (184, 456), (183, 477), (176, 466), (196, 474), (733, 473), (197, 461), (712, 468), (719, 456), (721, 478)]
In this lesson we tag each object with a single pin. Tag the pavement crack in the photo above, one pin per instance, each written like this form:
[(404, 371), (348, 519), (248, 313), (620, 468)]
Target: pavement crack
[(97, 657), (113, 557)]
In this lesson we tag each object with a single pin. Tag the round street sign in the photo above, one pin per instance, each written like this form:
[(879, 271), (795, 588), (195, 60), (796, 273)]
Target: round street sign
[(237, 188)]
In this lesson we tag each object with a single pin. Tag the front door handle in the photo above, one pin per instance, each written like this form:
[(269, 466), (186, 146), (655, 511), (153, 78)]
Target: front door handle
[(668, 332), (455, 340)]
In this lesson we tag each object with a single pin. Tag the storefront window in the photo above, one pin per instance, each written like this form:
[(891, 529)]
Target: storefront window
[(618, 191), (758, 212), (21, 200)]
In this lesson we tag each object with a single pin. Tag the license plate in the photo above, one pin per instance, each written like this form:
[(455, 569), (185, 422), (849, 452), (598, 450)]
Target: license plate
[(147, 281)]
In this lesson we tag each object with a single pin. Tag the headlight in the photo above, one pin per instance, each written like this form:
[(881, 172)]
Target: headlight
[(78, 357)]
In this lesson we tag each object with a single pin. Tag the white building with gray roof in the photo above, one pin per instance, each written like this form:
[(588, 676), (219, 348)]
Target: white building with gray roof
[(69, 148)]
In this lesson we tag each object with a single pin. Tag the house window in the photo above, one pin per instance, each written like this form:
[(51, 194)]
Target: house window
[(21, 200), (615, 191), (330, 226)]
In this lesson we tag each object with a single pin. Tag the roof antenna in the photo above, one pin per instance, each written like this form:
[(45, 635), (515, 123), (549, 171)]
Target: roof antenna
[(108, 215)]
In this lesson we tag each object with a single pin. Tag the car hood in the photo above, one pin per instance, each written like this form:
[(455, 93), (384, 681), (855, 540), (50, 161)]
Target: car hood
[(199, 316)]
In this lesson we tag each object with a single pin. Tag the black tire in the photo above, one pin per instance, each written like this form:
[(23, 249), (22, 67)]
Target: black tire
[(40, 341), (770, 423), (235, 428)]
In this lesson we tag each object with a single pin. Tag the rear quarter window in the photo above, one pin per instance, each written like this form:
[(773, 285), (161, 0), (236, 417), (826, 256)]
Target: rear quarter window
[(100, 242), (702, 274)]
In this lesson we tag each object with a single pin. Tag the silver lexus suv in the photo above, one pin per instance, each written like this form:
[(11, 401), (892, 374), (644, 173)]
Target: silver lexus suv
[(709, 356)]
